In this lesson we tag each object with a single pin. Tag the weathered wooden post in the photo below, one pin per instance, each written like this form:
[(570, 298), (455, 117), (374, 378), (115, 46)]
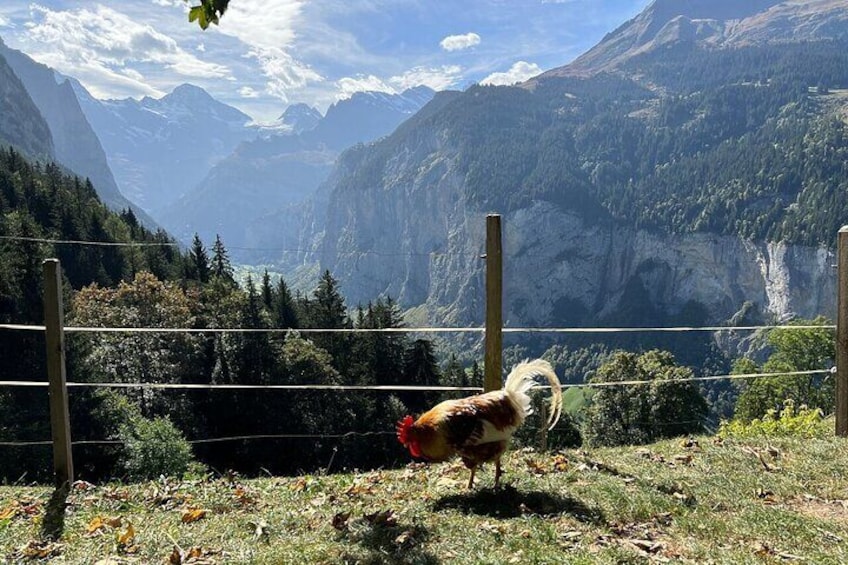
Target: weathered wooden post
[(494, 303), (842, 333), (54, 323)]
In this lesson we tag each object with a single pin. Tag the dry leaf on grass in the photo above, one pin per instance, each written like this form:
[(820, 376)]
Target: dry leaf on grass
[(406, 538), (340, 520), (39, 550), (560, 462), (192, 556), (100, 523), (385, 518), (193, 515), (125, 539), (536, 467)]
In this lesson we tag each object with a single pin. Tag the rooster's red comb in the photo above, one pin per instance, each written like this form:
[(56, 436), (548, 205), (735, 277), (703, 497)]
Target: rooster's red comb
[(403, 429)]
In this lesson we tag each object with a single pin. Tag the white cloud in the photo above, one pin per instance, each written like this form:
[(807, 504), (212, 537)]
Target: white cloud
[(348, 86), (247, 92), (267, 28), (519, 72), (104, 49), (437, 78), (201, 47), (4, 22), (459, 42)]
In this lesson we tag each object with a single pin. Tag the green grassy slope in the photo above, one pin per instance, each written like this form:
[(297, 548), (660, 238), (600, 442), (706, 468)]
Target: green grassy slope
[(676, 501)]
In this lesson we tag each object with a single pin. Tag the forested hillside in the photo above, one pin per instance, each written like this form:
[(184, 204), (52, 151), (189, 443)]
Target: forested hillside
[(748, 142), (153, 284)]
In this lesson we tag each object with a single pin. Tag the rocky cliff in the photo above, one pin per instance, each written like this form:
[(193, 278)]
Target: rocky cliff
[(420, 239)]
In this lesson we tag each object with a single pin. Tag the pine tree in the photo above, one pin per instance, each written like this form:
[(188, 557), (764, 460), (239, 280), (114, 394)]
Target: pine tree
[(221, 266), (327, 310), (267, 291), (198, 261), (283, 308)]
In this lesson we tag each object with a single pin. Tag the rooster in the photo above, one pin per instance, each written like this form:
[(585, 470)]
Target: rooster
[(478, 428)]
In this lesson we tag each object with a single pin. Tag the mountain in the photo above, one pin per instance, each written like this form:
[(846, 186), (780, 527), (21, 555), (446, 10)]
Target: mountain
[(713, 24), (656, 180), (159, 148), (21, 124), (76, 146), (255, 196), (299, 118)]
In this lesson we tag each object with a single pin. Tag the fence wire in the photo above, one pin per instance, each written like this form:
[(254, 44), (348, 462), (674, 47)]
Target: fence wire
[(468, 329)]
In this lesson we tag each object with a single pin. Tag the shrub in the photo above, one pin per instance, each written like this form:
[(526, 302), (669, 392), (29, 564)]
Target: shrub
[(154, 447), (789, 422)]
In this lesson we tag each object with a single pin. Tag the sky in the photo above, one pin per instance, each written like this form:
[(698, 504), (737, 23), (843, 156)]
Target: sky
[(268, 54)]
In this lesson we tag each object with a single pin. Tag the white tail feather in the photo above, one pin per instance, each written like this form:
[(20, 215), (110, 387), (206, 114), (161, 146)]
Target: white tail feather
[(522, 379)]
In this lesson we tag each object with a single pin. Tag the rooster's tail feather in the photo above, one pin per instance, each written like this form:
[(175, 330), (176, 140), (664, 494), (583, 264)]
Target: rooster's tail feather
[(522, 379)]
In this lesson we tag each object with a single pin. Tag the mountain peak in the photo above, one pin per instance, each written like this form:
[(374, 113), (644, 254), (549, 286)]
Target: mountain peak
[(712, 24), (188, 93)]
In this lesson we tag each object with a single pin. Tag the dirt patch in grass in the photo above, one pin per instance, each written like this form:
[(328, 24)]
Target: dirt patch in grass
[(819, 508)]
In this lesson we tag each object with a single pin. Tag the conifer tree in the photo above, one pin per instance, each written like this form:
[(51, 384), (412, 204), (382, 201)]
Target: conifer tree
[(198, 261), (221, 266)]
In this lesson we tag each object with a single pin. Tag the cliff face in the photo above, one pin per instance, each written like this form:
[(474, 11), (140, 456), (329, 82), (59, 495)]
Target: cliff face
[(424, 243)]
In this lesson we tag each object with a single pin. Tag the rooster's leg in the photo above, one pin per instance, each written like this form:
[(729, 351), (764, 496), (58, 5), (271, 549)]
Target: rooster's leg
[(497, 471), (471, 480)]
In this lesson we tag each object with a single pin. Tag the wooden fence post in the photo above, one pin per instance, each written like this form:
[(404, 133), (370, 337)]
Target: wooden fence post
[(60, 425), (494, 304), (842, 334)]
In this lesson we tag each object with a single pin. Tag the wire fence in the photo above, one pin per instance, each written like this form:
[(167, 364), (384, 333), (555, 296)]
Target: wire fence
[(354, 388), (469, 329)]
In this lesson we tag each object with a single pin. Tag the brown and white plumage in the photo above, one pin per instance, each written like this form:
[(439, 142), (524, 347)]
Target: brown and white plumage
[(478, 428)]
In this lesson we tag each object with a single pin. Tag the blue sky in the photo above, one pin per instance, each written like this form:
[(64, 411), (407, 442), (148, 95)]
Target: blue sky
[(267, 54)]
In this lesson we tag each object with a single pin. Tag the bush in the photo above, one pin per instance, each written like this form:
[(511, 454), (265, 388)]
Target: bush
[(789, 422), (154, 447)]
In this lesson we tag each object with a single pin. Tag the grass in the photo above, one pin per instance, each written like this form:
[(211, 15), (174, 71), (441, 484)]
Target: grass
[(692, 501)]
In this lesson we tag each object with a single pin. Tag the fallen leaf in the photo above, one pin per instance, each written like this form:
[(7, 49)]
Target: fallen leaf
[(340, 520), (648, 546), (446, 483), (83, 485), (95, 525), (685, 459), (243, 497), (766, 496), (299, 485), (536, 467), (762, 550), (176, 557), (9, 512), (193, 515), (560, 462), (125, 538), (358, 488), (385, 518), (405, 538), (40, 550), (493, 528)]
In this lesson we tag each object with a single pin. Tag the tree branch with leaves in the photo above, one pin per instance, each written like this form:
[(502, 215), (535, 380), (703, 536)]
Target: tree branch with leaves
[(208, 12)]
